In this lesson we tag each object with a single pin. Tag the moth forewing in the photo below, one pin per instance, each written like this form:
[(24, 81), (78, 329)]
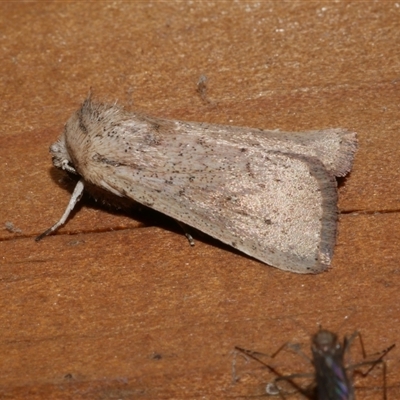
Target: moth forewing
[(260, 217)]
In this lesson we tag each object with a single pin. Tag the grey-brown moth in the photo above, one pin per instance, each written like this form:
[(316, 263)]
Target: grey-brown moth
[(269, 194)]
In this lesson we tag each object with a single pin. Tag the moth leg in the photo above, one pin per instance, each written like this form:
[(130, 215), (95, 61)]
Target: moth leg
[(186, 232), (76, 196)]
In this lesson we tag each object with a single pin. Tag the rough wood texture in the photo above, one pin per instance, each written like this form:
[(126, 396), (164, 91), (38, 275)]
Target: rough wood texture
[(119, 306)]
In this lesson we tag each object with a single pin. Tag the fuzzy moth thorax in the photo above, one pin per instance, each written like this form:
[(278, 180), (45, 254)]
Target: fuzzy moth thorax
[(73, 149), (85, 145)]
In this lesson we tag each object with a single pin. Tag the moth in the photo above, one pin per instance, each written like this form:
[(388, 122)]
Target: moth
[(269, 194)]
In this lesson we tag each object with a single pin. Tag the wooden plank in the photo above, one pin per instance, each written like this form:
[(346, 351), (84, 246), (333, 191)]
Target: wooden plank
[(118, 305)]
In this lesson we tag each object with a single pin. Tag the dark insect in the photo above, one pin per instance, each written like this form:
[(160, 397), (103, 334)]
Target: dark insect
[(332, 379)]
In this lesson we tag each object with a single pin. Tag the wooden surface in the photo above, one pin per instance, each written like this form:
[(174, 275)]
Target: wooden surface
[(119, 306)]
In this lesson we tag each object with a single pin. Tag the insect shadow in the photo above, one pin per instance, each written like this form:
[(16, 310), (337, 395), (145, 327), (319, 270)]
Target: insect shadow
[(332, 379)]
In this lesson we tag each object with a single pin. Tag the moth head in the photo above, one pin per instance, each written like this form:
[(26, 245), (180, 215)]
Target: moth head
[(61, 157)]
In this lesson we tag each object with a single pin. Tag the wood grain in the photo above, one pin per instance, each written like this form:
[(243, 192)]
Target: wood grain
[(119, 306)]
